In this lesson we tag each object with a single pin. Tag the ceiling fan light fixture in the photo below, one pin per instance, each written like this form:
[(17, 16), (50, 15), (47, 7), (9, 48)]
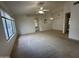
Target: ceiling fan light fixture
[(41, 12)]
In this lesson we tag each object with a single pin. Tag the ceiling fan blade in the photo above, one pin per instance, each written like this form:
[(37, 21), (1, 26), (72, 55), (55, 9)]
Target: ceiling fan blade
[(45, 10)]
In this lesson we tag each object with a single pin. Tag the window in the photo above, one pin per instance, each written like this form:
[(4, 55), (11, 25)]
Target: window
[(9, 24)]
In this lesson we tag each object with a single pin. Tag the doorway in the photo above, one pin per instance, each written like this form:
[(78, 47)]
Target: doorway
[(36, 22), (67, 18)]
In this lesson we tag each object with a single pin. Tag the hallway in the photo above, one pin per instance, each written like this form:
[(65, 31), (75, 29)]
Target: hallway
[(49, 43)]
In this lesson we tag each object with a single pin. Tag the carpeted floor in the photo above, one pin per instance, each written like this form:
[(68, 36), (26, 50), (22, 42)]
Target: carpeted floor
[(46, 44)]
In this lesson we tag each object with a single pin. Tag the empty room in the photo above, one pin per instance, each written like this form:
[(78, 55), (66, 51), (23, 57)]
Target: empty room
[(39, 29)]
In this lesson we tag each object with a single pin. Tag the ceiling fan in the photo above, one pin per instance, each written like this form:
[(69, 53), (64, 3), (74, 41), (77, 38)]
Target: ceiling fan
[(42, 10)]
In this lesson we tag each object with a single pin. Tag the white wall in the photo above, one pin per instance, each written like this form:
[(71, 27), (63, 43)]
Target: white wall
[(67, 7), (45, 26), (58, 15), (5, 46), (74, 22), (25, 24)]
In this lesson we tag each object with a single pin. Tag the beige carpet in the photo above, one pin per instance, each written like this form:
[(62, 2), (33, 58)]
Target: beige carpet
[(45, 44)]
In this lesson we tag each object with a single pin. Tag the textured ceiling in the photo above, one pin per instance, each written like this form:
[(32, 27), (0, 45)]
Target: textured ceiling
[(29, 7)]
